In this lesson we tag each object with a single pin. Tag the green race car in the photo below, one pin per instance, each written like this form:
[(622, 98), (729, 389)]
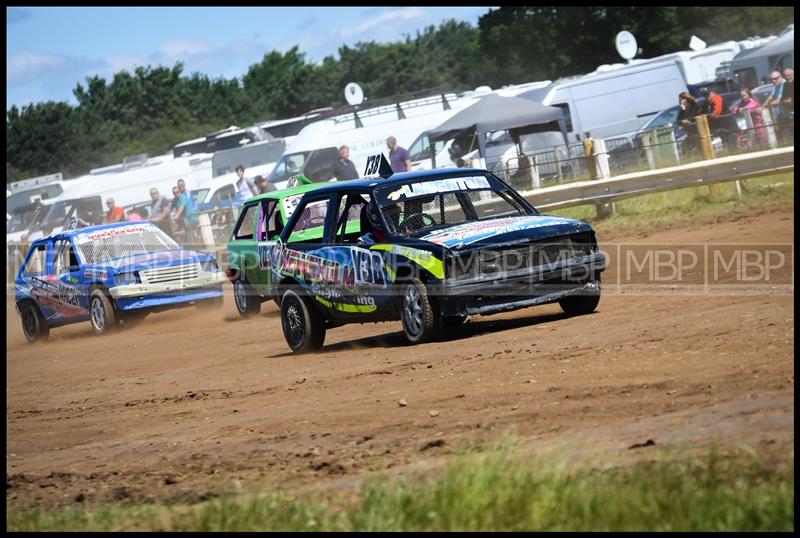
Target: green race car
[(260, 222)]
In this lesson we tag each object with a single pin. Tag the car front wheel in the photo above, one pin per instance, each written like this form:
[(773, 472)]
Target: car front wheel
[(247, 304), (420, 320), (303, 326), (103, 316), (34, 325)]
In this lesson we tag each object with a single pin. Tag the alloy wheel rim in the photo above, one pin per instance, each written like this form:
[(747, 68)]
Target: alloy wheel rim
[(412, 310), (98, 314), (294, 322), (241, 296)]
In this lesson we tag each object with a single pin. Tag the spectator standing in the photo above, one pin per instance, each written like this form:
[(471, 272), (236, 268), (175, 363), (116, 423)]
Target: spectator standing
[(787, 105), (787, 97), (399, 157), (186, 213), (774, 98), (245, 185), (343, 168), (115, 213), (689, 109), (159, 210), (713, 104), (748, 102), (134, 216), (262, 185)]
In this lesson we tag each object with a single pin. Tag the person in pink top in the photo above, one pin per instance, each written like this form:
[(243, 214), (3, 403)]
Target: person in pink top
[(748, 102), (134, 216)]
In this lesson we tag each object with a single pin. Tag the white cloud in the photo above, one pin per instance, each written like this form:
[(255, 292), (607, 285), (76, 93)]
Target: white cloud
[(183, 48), (387, 17), (25, 67)]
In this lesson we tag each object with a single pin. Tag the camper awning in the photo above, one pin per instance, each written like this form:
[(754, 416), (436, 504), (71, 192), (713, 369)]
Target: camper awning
[(493, 113)]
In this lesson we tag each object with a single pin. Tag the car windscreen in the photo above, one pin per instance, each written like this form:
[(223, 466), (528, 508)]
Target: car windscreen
[(103, 245), (288, 166), (416, 208)]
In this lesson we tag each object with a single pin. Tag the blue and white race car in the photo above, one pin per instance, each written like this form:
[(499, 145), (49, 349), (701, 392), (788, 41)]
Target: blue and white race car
[(110, 274)]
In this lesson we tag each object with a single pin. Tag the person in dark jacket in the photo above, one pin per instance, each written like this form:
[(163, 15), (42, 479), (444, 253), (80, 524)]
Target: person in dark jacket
[(343, 168), (689, 109)]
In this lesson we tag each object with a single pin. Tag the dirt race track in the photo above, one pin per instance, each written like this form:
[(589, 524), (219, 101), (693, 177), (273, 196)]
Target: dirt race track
[(188, 404)]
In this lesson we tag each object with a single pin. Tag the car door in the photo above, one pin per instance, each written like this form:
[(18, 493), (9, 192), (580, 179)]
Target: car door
[(269, 227), (65, 273), (363, 281), (301, 254), (242, 247)]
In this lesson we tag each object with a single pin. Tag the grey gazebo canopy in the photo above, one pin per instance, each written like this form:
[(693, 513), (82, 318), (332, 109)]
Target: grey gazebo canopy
[(493, 113)]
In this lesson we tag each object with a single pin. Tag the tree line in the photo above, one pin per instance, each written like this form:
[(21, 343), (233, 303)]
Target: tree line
[(151, 109)]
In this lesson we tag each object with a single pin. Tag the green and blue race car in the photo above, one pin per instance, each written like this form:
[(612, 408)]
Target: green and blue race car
[(428, 248)]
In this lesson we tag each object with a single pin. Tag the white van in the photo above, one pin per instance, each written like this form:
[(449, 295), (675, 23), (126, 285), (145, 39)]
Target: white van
[(614, 100), (365, 131), (128, 188)]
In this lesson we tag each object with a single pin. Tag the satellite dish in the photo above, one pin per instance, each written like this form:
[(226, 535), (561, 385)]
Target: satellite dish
[(626, 45), (353, 94), (696, 43)]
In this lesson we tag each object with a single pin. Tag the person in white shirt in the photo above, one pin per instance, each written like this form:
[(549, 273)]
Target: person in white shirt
[(245, 185)]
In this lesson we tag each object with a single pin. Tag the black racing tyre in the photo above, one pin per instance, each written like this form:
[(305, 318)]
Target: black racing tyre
[(453, 321), (34, 325), (247, 303), (102, 314), (576, 305), (303, 326), (210, 305), (421, 322)]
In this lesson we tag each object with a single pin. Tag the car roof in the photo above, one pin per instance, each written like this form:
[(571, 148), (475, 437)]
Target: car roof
[(398, 178), (90, 229), (277, 195)]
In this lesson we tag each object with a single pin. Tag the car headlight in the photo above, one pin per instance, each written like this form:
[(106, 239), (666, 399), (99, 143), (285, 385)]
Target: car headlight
[(124, 279), (209, 266)]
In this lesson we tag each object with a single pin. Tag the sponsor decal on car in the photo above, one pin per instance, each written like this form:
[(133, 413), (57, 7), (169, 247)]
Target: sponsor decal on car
[(441, 185), (95, 273), (471, 232)]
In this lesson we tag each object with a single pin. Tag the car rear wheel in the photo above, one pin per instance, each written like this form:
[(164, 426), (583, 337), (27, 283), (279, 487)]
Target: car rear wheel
[(247, 304), (34, 325), (303, 326), (102, 313), (421, 322), (576, 305)]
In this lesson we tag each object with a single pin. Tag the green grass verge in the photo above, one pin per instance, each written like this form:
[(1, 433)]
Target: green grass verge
[(499, 489), (687, 203)]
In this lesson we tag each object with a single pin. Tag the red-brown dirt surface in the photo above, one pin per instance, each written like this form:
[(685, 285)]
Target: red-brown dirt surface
[(188, 404)]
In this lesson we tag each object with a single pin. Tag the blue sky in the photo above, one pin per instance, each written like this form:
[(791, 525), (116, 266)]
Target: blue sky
[(49, 50)]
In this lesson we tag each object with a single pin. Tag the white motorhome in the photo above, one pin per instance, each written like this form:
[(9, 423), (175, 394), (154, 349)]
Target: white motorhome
[(27, 191), (365, 131), (128, 188), (752, 67), (614, 100)]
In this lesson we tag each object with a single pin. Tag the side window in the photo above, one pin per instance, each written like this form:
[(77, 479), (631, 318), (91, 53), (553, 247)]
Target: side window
[(310, 224), (421, 149), (320, 164), (225, 193), (247, 223), (270, 223), (35, 264), (64, 259), (348, 218)]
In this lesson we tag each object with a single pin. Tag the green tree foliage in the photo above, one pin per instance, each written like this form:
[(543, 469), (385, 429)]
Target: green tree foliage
[(151, 109)]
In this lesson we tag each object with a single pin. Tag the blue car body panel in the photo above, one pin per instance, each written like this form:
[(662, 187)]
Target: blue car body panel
[(64, 298)]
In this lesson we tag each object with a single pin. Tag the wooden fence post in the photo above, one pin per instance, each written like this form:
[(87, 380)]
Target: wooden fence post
[(704, 135)]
